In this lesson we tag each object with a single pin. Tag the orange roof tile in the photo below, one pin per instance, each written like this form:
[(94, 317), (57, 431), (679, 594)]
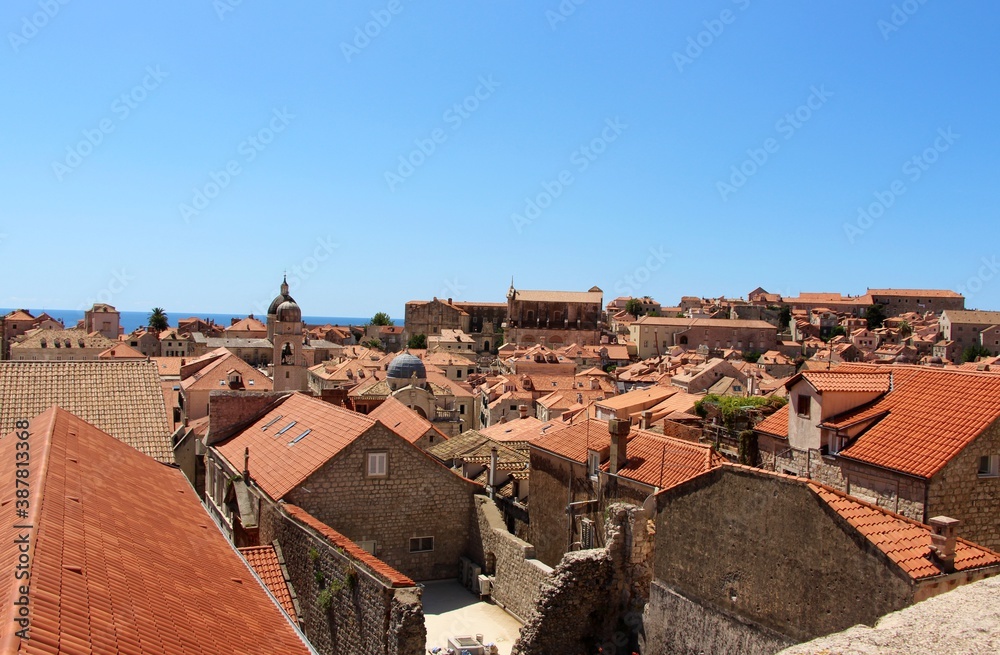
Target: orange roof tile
[(519, 429), (574, 440), (276, 464), (929, 417), (123, 398), (776, 423), (264, 561), (215, 376), (121, 351), (112, 572), (904, 541), (661, 461), (404, 421), (841, 381)]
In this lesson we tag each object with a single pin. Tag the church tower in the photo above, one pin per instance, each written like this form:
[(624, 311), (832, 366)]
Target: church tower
[(284, 329)]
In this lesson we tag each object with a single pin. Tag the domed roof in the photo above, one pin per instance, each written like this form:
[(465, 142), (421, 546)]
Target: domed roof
[(289, 312), (280, 298), (404, 366)]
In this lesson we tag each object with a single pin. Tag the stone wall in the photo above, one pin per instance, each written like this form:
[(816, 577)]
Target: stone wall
[(893, 491), (373, 609), (594, 598), (681, 431), (675, 625), (773, 554), (809, 463), (230, 410), (417, 498), (550, 481), (517, 574), (966, 620), (959, 492)]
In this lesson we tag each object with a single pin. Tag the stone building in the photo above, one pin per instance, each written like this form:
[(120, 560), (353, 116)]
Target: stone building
[(102, 318), (965, 329), (59, 345), (348, 470), (480, 320), (900, 301), (655, 335), (916, 440), (20, 321), (722, 583), (219, 370), (554, 318), (284, 331), (578, 470)]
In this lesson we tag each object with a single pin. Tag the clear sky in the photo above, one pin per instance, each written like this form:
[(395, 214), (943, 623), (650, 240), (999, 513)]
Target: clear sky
[(184, 154)]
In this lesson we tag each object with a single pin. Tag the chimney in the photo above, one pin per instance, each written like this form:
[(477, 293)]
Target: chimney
[(503, 419), (522, 410), (647, 419), (493, 468), (943, 541), (246, 463), (619, 430)]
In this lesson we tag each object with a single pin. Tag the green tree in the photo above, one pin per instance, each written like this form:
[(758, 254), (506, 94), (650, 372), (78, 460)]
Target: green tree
[(634, 307), (381, 318), (972, 353), (417, 341), (751, 357), (837, 331), (374, 344), (158, 320), (905, 329), (875, 315), (784, 318)]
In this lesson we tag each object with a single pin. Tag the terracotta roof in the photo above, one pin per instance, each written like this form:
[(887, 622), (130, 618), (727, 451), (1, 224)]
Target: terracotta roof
[(404, 421), (559, 296), (381, 570), (915, 293), (661, 461), (930, 416), (112, 572), (276, 464), (573, 441), (638, 398), (842, 381), (518, 429), (121, 351), (70, 339), (19, 315), (904, 541), (264, 561), (972, 316), (247, 324), (123, 398), (169, 366), (215, 376), (775, 424)]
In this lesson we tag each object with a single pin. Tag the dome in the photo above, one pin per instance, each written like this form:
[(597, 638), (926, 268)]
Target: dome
[(280, 298), (404, 366), (289, 312)]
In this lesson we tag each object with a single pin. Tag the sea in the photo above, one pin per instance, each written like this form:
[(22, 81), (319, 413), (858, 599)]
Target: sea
[(133, 320)]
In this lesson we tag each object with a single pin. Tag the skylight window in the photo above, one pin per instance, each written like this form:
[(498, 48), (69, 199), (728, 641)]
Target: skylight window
[(298, 438), (271, 422), (286, 429)]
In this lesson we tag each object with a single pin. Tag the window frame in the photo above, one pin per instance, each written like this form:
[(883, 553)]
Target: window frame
[(593, 464), (369, 455), (992, 469), (420, 542), (798, 405)]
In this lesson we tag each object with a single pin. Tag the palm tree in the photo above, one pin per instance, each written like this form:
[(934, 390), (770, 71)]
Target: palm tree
[(158, 320), (905, 329)]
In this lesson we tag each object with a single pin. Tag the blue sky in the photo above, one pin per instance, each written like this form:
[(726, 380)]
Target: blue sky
[(185, 154)]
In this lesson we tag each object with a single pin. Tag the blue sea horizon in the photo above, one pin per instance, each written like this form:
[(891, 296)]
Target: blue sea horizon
[(132, 320)]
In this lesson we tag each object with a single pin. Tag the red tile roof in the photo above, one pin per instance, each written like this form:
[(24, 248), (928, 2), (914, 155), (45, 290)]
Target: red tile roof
[(264, 561), (904, 541), (843, 381), (121, 351), (929, 417), (404, 421), (278, 466), (518, 429), (381, 569), (215, 376), (776, 423), (123, 557), (661, 461), (573, 441)]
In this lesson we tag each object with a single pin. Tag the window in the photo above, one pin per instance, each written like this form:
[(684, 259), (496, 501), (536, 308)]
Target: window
[(593, 464), (378, 464), (802, 405), (989, 466), (421, 544)]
